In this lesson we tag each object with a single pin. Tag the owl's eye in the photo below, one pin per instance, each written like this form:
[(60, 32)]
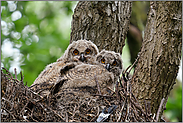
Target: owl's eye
[(87, 51), (102, 61), (114, 63), (75, 52)]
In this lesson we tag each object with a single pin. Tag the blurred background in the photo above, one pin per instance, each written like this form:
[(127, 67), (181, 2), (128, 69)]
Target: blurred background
[(36, 33)]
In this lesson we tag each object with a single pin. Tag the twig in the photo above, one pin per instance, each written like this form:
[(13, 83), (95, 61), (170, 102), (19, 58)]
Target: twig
[(135, 112), (137, 106), (133, 64), (7, 72), (116, 89), (149, 108), (74, 112), (98, 111), (56, 114), (102, 95), (107, 101), (8, 112), (66, 117), (121, 110), (153, 118), (111, 89), (159, 109), (134, 117), (16, 80), (145, 109), (13, 90), (23, 109), (134, 97), (120, 82), (32, 116), (122, 95), (126, 116), (128, 106), (7, 101), (128, 96), (35, 93), (15, 73), (22, 77), (124, 74)]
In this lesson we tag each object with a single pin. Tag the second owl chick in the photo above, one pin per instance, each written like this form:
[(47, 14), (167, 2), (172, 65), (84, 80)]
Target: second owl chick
[(111, 61)]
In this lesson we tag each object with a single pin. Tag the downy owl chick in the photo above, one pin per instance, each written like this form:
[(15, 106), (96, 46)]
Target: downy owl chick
[(111, 61), (78, 51)]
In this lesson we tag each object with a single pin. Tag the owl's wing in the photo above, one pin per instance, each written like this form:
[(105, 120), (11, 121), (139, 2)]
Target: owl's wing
[(42, 88), (50, 73), (49, 76)]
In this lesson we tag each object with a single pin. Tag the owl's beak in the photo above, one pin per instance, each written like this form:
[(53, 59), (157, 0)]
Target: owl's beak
[(82, 57), (107, 66)]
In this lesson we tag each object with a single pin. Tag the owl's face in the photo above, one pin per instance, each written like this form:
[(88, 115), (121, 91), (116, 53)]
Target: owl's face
[(111, 61), (81, 50)]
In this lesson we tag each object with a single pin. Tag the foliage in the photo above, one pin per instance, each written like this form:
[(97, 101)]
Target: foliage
[(173, 110), (37, 32)]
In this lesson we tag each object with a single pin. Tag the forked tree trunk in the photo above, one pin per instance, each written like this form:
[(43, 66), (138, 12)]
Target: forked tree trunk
[(104, 23), (160, 54)]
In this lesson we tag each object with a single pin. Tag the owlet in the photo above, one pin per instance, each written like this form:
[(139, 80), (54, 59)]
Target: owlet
[(111, 61), (78, 51)]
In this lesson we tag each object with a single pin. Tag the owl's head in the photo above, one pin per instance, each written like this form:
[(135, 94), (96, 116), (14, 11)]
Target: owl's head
[(111, 61), (81, 50)]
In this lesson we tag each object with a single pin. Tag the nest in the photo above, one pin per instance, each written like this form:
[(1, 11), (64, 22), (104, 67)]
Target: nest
[(20, 104)]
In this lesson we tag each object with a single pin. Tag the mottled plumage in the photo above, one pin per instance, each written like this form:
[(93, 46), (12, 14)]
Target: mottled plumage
[(111, 61), (47, 78), (106, 71), (81, 51), (84, 79)]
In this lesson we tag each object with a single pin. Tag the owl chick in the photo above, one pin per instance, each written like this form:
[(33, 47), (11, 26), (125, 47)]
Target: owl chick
[(78, 51), (111, 61), (81, 50)]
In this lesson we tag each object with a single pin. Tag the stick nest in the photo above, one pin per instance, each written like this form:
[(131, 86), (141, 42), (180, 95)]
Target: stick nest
[(20, 104)]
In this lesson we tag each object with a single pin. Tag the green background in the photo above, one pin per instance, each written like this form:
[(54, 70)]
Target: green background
[(36, 33)]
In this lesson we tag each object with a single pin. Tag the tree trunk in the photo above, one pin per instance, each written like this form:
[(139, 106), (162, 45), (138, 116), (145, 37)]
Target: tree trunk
[(160, 54), (104, 23)]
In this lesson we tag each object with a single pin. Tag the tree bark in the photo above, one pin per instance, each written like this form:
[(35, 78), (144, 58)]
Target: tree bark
[(160, 54), (104, 23)]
